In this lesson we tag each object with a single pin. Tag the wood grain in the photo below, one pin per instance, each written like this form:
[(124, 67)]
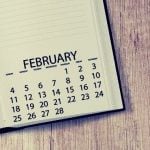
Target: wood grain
[(128, 130)]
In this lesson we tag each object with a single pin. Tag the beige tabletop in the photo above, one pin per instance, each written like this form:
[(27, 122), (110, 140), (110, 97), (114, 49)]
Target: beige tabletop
[(128, 130)]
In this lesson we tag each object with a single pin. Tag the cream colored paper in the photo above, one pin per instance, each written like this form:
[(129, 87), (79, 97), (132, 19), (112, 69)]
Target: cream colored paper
[(37, 29)]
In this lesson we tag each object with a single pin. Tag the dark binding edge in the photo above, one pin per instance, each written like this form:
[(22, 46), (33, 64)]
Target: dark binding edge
[(114, 53), (5, 130)]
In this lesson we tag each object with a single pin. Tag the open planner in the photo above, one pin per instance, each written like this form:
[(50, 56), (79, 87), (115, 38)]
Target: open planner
[(56, 62)]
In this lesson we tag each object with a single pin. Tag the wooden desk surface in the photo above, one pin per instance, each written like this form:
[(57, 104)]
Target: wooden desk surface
[(128, 130)]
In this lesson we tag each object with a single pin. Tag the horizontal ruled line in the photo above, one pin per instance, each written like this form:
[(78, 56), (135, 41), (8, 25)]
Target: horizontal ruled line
[(91, 59), (36, 69), (9, 74), (24, 71), (65, 64), (53, 66), (79, 61)]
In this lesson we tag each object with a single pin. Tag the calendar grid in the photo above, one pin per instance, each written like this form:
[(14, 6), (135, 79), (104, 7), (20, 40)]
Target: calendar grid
[(81, 85)]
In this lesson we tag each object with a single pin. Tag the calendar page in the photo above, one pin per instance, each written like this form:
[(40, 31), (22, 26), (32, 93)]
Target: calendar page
[(56, 61)]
